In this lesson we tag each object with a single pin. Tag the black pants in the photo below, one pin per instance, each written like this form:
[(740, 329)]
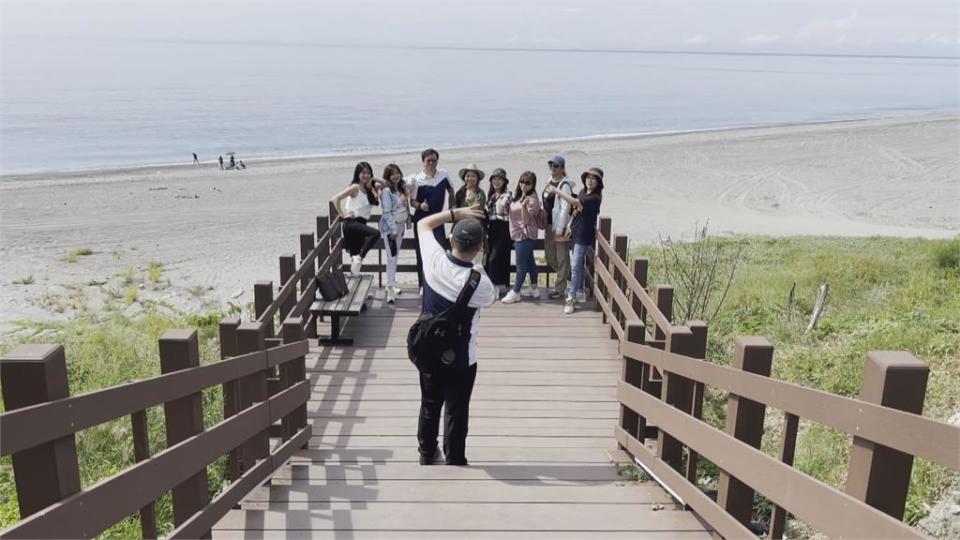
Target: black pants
[(497, 259), (358, 237), (438, 233), (449, 388)]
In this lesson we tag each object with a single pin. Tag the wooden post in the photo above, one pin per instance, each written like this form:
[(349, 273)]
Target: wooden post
[(231, 392), (604, 226), (677, 391), (878, 475), (179, 350), (745, 422), (141, 452), (632, 373), (44, 474), (620, 248), (639, 266), (296, 371), (665, 305), (306, 246), (262, 298), (253, 388), (788, 445), (699, 350), (288, 267)]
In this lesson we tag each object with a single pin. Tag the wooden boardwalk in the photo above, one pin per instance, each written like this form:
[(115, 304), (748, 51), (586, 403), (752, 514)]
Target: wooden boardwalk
[(541, 428)]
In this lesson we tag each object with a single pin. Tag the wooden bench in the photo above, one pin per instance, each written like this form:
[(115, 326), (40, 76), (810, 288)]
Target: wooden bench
[(350, 305)]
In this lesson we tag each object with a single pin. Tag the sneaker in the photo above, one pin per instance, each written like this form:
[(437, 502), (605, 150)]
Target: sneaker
[(581, 297), (430, 460), (512, 297), (356, 265), (397, 291), (458, 462), (532, 292), (568, 306), (391, 296), (555, 294)]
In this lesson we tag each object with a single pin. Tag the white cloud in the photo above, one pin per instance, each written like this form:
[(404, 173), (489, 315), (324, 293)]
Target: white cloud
[(761, 39), (826, 29), (697, 39)]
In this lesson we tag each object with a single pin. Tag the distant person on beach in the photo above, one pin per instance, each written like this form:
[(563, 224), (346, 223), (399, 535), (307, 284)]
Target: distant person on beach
[(242, 164), (361, 196), (526, 219), (196, 160), (556, 245), (427, 189), (221, 163), (583, 228), (499, 245), (449, 387), (233, 164), (395, 210)]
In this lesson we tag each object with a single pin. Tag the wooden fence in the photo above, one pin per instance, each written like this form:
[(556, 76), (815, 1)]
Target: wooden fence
[(661, 391), (263, 375)]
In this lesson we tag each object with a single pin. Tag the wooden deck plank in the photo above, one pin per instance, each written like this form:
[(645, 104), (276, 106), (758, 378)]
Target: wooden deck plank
[(356, 534), (481, 491), (408, 454), (455, 517)]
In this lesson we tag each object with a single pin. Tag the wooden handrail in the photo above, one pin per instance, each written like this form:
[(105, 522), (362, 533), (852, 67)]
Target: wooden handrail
[(817, 504), (89, 512), (648, 303), (290, 286), (913, 434)]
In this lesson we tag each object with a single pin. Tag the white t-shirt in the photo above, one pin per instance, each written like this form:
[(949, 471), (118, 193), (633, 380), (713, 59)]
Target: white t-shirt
[(444, 277), (358, 204)]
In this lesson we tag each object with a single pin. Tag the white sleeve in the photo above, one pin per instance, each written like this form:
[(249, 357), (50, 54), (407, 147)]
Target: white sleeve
[(430, 250), (485, 294)]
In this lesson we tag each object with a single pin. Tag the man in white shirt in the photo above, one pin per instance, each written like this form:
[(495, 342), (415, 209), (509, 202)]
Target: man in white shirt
[(449, 387), (427, 190)]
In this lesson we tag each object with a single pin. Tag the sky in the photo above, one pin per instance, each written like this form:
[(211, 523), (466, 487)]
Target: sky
[(875, 27)]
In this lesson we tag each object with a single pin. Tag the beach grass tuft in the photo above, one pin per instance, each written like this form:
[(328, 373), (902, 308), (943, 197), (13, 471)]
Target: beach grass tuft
[(73, 256), (25, 280)]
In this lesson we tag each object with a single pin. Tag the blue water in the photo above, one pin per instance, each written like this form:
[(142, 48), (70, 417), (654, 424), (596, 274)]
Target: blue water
[(72, 104)]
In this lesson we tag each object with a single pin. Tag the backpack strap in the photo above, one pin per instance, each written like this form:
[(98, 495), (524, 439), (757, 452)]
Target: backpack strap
[(469, 288)]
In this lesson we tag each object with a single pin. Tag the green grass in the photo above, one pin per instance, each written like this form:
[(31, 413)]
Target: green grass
[(103, 350), (154, 271), (885, 294)]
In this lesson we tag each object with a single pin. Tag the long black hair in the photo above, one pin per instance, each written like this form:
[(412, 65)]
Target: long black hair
[(598, 191), (533, 180), (371, 192)]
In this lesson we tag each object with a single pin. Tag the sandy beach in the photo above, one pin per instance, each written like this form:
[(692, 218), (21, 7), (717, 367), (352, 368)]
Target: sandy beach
[(214, 233)]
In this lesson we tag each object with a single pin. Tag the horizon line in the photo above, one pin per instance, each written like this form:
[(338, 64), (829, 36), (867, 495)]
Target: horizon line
[(692, 52)]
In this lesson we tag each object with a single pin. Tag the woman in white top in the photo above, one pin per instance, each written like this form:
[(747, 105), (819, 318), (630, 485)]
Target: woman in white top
[(395, 209), (358, 237)]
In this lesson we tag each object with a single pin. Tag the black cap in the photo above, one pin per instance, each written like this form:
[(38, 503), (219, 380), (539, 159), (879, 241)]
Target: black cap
[(468, 233)]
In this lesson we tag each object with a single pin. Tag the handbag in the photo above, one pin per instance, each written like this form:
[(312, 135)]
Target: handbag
[(332, 285)]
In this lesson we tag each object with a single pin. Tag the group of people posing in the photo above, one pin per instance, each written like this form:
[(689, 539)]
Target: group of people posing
[(511, 218)]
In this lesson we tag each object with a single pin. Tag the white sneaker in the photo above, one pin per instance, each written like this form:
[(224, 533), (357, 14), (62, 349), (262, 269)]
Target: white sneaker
[(581, 297), (391, 296), (512, 297), (356, 265), (397, 291), (532, 292), (568, 307)]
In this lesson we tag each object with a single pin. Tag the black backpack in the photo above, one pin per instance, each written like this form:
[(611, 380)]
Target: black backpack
[(433, 338)]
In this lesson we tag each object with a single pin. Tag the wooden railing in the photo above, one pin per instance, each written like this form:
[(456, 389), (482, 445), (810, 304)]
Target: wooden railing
[(265, 392), (661, 392)]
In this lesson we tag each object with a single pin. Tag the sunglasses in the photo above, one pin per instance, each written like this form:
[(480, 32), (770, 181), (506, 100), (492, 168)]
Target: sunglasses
[(430, 161), (553, 165), (525, 182)]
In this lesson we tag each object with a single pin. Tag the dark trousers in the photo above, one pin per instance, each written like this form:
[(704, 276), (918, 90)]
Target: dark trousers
[(499, 246), (449, 388), (358, 237), (438, 233)]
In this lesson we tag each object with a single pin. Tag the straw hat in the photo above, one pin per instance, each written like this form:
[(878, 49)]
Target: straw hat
[(592, 171), (472, 167)]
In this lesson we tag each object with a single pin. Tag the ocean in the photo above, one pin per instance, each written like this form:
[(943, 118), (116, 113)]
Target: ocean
[(68, 104)]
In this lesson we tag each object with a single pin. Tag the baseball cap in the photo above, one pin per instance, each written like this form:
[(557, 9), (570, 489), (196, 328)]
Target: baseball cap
[(558, 161), (468, 233)]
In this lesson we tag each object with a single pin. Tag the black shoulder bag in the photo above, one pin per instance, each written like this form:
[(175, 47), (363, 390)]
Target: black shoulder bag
[(433, 338)]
